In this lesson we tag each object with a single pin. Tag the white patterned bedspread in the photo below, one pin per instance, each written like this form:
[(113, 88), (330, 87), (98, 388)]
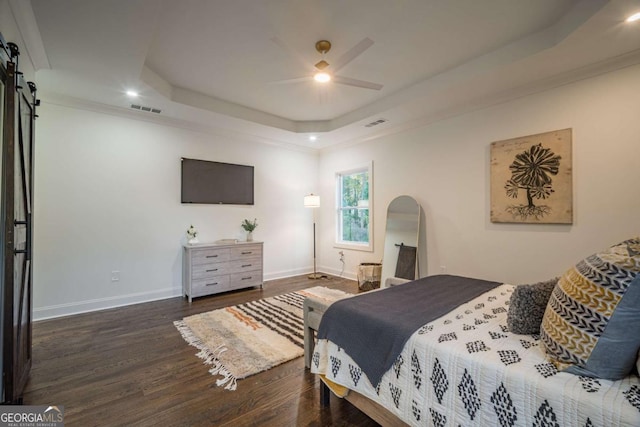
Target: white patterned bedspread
[(466, 369)]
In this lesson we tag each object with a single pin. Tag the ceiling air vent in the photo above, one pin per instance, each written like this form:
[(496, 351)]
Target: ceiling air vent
[(375, 123), (147, 109)]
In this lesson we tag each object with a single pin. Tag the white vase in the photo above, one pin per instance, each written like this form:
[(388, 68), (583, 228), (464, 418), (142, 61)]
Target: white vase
[(249, 236)]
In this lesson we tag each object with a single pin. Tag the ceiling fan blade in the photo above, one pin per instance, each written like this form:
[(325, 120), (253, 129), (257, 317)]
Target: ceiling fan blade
[(295, 54), (295, 80), (357, 83), (351, 54)]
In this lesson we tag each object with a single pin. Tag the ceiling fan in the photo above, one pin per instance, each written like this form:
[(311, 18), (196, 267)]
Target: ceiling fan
[(324, 71)]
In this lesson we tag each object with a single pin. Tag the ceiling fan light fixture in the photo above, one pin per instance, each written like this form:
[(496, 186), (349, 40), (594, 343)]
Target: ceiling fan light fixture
[(322, 77), (323, 46)]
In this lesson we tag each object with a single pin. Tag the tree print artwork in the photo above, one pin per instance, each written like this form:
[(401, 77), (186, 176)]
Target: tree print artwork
[(531, 171), (531, 179)]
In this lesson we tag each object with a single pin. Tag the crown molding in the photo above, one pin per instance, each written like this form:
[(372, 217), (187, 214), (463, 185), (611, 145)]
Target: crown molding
[(81, 104), (620, 62), (28, 27)]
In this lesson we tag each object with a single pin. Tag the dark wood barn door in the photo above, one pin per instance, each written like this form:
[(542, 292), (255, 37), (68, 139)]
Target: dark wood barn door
[(16, 231)]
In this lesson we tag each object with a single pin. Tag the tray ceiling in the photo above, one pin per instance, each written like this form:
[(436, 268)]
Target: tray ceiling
[(216, 63)]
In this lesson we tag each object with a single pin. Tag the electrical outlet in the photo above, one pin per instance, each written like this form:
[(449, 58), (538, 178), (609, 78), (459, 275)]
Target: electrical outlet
[(115, 276), (443, 269), (341, 253)]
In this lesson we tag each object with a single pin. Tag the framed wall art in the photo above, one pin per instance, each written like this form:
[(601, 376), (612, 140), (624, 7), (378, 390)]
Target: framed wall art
[(531, 179)]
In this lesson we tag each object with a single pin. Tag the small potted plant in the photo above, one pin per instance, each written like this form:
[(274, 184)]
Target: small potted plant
[(192, 235), (249, 226)]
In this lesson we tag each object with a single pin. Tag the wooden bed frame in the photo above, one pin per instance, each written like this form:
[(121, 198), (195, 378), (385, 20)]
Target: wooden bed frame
[(313, 310), (372, 409)]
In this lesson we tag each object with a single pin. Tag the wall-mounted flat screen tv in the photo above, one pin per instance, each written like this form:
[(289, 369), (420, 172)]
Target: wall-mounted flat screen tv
[(216, 183)]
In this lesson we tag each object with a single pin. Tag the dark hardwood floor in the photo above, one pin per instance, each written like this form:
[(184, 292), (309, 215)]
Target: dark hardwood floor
[(130, 367)]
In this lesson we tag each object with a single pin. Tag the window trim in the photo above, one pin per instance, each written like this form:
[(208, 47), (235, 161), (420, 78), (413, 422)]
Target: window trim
[(366, 247)]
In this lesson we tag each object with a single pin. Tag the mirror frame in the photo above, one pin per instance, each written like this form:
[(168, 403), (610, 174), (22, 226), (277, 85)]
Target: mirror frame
[(391, 252)]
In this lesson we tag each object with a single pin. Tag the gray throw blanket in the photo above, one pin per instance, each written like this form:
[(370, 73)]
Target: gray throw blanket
[(373, 328)]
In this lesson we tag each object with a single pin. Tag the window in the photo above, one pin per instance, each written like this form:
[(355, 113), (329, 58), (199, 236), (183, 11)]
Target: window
[(354, 209)]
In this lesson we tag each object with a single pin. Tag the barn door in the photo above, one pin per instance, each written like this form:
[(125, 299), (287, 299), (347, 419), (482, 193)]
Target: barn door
[(16, 234)]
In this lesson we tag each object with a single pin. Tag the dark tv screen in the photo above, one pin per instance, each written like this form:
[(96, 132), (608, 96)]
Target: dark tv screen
[(216, 183)]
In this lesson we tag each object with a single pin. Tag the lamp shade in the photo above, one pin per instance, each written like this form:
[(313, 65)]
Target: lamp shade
[(311, 201)]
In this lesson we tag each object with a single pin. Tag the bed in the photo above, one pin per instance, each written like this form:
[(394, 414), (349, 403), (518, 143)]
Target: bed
[(461, 367)]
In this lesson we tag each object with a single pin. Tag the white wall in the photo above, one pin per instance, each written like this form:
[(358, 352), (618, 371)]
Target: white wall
[(107, 194), (107, 197), (445, 166), (11, 33)]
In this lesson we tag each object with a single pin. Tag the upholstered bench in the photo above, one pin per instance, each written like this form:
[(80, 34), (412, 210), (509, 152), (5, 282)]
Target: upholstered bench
[(313, 309)]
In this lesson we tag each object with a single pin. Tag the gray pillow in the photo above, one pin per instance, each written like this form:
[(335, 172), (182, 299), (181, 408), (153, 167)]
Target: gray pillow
[(527, 306)]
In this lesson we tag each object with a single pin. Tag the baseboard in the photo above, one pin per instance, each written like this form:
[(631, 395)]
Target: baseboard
[(346, 274), (79, 307), (287, 273), (309, 270), (61, 310)]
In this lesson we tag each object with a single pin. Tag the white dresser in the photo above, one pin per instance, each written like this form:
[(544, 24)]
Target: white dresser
[(209, 268)]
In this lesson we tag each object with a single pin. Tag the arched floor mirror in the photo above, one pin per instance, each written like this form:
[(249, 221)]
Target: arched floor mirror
[(400, 258)]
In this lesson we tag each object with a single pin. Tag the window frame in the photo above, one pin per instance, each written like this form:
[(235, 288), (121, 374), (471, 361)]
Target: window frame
[(343, 244)]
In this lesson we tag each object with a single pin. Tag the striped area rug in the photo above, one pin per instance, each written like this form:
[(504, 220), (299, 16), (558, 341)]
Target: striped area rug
[(242, 340)]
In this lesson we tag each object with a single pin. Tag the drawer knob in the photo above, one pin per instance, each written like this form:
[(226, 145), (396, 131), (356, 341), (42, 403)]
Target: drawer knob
[(212, 256), (246, 265), (247, 253), (246, 278), (211, 284), (215, 269)]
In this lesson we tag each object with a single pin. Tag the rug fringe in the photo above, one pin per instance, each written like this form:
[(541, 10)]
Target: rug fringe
[(212, 357), (209, 357)]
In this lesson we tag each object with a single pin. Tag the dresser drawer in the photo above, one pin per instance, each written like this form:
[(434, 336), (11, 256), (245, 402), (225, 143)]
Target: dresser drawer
[(246, 279), (210, 255), (209, 286), (202, 271), (209, 269), (246, 251), (248, 264)]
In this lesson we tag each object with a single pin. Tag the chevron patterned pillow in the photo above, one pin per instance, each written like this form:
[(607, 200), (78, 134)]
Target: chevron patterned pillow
[(591, 326)]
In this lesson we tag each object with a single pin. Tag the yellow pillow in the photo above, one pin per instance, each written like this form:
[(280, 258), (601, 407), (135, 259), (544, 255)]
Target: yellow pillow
[(591, 325)]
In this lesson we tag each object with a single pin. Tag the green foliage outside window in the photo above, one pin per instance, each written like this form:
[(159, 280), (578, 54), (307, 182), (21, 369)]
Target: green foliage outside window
[(354, 207)]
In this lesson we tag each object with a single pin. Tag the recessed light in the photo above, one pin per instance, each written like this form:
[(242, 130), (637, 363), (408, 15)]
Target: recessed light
[(132, 93), (313, 138), (634, 17), (322, 77)]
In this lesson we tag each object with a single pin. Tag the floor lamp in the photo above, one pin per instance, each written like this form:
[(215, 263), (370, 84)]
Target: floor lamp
[(313, 201)]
